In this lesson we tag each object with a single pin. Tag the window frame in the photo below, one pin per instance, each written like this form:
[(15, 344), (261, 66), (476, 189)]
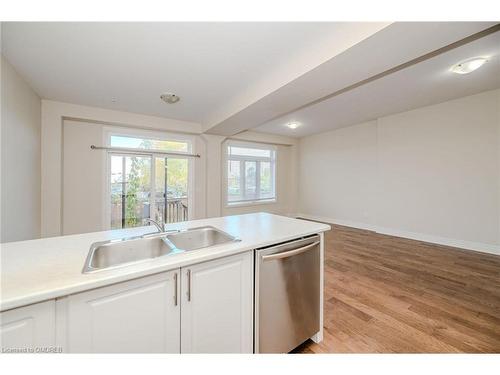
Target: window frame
[(110, 131), (242, 159)]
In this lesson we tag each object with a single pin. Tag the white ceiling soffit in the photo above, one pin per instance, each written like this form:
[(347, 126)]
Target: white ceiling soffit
[(395, 44), (428, 82), (127, 65)]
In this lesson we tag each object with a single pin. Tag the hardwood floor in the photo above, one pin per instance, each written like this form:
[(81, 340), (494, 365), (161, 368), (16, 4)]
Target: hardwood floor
[(386, 294)]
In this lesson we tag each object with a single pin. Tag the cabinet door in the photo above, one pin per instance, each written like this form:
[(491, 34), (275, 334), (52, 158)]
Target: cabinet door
[(30, 327), (141, 315), (217, 300)]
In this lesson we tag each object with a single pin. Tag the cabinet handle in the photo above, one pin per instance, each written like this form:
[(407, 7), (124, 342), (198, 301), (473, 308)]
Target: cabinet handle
[(175, 290), (188, 293)]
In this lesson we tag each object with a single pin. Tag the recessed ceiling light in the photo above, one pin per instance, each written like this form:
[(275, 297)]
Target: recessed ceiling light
[(293, 125), (469, 65), (170, 98)]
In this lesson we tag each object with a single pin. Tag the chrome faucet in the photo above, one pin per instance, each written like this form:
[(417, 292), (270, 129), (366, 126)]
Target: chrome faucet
[(160, 228)]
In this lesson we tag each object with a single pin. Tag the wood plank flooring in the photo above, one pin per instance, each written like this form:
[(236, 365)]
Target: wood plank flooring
[(386, 294)]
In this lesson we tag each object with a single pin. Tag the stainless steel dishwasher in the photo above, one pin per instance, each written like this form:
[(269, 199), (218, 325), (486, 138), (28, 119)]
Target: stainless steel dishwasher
[(287, 294)]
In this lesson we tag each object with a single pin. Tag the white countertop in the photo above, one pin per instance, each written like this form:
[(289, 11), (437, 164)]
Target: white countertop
[(38, 270)]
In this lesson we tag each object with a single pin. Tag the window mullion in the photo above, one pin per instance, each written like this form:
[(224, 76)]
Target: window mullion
[(273, 175), (257, 180), (152, 190), (243, 180), (248, 158), (124, 190)]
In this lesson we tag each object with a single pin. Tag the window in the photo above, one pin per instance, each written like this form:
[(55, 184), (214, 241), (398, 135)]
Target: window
[(148, 143), (250, 173), (151, 185)]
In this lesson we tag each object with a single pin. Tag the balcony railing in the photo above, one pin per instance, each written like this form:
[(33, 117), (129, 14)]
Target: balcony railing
[(176, 210)]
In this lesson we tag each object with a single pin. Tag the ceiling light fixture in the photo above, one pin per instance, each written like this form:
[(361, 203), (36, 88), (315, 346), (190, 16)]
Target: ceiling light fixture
[(170, 98), (293, 125), (469, 65)]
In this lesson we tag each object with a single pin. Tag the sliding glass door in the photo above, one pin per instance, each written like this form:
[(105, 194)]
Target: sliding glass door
[(170, 202), (130, 189), (148, 184), (147, 187)]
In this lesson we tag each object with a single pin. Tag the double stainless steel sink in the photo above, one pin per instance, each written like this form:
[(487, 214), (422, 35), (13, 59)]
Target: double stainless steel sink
[(126, 251)]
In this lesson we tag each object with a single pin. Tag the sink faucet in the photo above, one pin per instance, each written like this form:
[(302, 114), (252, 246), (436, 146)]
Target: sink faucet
[(156, 224)]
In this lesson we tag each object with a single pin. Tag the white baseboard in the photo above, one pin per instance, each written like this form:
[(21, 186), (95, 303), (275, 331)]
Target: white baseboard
[(466, 245), (345, 223)]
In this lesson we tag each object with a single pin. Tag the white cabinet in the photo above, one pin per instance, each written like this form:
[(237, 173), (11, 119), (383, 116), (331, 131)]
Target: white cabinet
[(31, 327), (217, 306), (204, 308), (137, 316)]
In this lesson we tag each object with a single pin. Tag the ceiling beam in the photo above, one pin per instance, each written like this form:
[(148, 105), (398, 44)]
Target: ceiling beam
[(393, 48)]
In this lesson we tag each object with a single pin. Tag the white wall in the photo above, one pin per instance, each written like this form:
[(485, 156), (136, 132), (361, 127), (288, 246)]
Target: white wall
[(438, 170), (67, 132), (83, 178), (431, 174), (338, 172), (20, 140), (53, 116)]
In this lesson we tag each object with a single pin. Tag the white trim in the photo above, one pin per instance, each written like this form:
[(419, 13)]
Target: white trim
[(272, 160), (251, 144), (318, 337), (53, 116), (109, 131), (106, 189), (163, 136), (461, 244), (149, 134), (345, 223), (251, 203)]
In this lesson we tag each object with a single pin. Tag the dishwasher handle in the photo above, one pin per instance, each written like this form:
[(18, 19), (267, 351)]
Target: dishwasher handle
[(290, 253)]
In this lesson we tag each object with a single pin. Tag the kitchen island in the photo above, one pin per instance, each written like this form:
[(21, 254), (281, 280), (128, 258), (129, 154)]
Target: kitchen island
[(195, 301)]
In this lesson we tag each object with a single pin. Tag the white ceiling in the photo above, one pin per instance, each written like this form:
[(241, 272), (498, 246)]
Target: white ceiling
[(428, 82), (396, 44), (206, 64), (233, 77)]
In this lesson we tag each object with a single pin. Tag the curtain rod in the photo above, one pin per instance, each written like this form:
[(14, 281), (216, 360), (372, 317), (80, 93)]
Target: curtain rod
[(143, 151)]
